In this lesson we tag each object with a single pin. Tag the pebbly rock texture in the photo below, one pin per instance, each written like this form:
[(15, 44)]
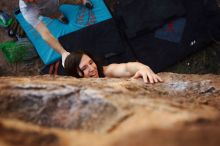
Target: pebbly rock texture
[(65, 111), (57, 105)]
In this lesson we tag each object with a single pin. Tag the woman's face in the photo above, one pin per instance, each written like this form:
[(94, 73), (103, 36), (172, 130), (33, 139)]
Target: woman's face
[(88, 67)]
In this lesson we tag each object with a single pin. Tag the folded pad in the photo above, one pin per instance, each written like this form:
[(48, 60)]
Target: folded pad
[(78, 16), (102, 40)]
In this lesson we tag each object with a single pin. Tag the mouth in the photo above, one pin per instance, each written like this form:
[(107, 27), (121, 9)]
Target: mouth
[(94, 75)]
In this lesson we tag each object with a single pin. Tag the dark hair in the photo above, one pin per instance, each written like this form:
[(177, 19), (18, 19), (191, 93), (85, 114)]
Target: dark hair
[(72, 64)]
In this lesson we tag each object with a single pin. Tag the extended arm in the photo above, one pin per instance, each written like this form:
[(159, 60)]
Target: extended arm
[(134, 69), (51, 40)]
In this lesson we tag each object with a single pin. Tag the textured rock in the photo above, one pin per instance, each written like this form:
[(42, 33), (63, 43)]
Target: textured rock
[(183, 110), (58, 105)]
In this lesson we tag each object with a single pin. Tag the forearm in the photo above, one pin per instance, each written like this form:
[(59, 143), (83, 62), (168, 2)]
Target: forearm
[(133, 67), (49, 38), (123, 69), (53, 42)]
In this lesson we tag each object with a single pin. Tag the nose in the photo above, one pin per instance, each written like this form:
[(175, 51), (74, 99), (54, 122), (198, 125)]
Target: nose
[(91, 68)]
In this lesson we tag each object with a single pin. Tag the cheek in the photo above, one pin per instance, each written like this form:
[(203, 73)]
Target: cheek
[(86, 73), (95, 66)]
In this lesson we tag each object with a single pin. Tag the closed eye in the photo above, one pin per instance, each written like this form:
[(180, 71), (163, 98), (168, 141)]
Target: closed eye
[(84, 68), (91, 62)]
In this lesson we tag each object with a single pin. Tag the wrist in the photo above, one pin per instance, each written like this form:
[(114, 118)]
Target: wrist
[(65, 53), (64, 56), (141, 66)]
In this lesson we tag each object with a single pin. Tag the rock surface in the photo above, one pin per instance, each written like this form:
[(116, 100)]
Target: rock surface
[(65, 111)]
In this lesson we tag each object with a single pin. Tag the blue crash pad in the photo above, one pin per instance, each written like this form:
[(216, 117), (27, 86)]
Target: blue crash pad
[(77, 21)]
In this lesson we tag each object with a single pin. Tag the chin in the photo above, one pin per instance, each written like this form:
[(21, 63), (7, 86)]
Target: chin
[(95, 76)]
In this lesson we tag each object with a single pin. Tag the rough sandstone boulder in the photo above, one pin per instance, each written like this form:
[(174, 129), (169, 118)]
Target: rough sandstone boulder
[(65, 111)]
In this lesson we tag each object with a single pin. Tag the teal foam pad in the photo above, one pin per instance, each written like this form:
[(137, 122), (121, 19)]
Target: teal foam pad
[(57, 28)]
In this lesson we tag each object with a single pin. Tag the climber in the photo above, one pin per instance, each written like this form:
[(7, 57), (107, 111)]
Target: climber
[(80, 64)]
